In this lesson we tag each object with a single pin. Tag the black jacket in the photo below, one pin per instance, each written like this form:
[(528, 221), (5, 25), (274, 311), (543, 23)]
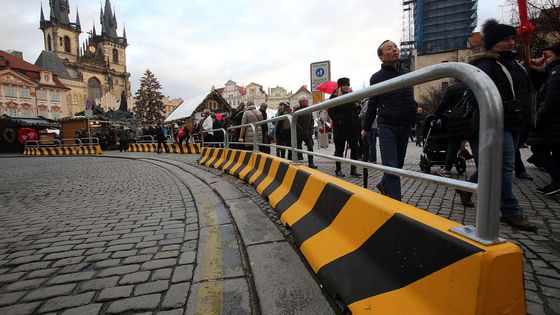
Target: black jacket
[(547, 131), (393, 108), (304, 126), (514, 120), (346, 121), (458, 126)]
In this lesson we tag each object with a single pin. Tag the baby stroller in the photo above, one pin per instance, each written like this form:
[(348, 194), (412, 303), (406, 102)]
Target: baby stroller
[(435, 145)]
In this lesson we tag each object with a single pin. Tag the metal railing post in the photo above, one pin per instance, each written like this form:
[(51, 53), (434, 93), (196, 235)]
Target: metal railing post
[(293, 138)]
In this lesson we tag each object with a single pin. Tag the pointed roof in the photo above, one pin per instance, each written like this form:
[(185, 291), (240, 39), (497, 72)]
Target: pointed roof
[(108, 21), (50, 61), (59, 11), (303, 88), (42, 15), (78, 19)]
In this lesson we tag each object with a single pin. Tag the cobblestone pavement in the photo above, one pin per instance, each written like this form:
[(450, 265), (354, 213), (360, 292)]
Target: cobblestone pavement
[(69, 246), (541, 250)]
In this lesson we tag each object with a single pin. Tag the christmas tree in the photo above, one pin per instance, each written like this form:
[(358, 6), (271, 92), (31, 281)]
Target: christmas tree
[(149, 107)]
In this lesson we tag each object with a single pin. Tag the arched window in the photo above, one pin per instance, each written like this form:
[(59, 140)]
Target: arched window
[(49, 44), (94, 89), (67, 44), (115, 55)]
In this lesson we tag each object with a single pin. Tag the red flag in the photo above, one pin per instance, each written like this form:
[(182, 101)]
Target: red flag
[(525, 27)]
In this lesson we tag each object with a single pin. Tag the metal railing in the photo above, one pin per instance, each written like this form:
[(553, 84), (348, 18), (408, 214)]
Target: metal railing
[(56, 143), (146, 139), (490, 141)]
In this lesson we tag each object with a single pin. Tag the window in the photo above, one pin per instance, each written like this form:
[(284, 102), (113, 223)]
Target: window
[(115, 55), (55, 97), (94, 89), (10, 91), (26, 112), (56, 115), (24, 93), (12, 112), (67, 44), (41, 95), (49, 45), (43, 112)]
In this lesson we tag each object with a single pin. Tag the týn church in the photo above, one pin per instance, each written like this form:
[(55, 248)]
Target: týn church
[(95, 69)]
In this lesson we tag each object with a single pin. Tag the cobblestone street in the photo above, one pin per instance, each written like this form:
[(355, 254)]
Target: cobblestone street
[(99, 235), (83, 232)]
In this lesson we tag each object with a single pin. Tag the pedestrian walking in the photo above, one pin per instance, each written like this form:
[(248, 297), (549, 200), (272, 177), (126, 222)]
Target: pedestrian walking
[(545, 139), (250, 115), (264, 129), (160, 139), (305, 130), (395, 112), (346, 127), (515, 87), (206, 124), (123, 139)]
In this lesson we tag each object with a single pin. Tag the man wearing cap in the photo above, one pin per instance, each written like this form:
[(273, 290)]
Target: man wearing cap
[(515, 88), (545, 139), (395, 112)]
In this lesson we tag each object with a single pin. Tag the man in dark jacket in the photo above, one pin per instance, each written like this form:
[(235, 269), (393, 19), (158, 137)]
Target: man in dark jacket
[(346, 126), (305, 130), (396, 112), (515, 88), (264, 128), (545, 139), (160, 139)]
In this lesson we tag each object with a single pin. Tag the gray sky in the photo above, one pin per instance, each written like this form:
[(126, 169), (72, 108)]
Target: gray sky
[(192, 45)]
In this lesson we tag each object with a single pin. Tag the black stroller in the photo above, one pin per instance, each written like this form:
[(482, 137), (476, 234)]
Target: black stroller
[(435, 145)]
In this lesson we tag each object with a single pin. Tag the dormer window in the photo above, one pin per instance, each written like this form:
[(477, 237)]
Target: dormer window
[(46, 77)]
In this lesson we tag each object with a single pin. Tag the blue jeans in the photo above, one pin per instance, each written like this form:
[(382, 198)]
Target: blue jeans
[(508, 203), (372, 142), (393, 141)]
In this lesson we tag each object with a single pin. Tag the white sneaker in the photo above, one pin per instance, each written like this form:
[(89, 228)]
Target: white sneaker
[(443, 173)]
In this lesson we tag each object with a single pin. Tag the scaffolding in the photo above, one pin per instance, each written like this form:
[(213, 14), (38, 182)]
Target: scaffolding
[(434, 26), (407, 42)]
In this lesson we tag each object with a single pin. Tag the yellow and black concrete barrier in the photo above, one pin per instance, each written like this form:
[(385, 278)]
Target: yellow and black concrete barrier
[(168, 148), (376, 254), (49, 151)]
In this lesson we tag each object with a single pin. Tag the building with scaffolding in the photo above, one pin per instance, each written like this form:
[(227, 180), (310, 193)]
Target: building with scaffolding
[(434, 26)]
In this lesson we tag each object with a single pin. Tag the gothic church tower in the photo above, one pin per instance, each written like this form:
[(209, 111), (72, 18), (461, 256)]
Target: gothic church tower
[(96, 69)]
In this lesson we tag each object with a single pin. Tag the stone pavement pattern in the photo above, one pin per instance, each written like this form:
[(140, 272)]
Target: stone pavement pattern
[(85, 237)]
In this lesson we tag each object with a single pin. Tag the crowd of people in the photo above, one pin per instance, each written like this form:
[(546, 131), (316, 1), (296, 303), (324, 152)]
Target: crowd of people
[(392, 116)]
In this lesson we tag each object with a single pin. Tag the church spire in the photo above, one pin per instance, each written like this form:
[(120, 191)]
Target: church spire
[(78, 26), (42, 15), (59, 11), (108, 21)]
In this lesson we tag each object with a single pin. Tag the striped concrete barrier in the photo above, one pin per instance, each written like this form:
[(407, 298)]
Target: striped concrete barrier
[(378, 255), (50, 151), (169, 148)]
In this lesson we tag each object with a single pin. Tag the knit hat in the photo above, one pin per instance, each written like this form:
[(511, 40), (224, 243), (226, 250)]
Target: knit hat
[(555, 48), (495, 32), (343, 82)]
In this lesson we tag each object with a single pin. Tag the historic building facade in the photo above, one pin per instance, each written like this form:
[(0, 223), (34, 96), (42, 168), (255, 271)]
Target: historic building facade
[(94, 70), (29, 91)]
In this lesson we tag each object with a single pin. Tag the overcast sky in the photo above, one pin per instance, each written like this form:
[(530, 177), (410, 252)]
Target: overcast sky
[(192, 45)]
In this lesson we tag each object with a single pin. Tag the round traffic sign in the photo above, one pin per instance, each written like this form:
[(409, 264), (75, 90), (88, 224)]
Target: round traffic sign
[(319, 72)]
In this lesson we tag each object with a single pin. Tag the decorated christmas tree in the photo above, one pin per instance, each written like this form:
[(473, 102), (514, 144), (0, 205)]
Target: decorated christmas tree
[(149, 107)]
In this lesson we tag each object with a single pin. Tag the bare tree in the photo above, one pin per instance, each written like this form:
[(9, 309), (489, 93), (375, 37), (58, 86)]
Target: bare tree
[(545, 16), (431, 99)]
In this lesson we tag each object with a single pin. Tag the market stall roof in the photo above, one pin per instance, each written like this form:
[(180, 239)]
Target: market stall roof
[(32, 121), (185, 109)]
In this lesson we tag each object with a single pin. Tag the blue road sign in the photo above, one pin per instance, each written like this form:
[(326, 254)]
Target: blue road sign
[(320, 72)]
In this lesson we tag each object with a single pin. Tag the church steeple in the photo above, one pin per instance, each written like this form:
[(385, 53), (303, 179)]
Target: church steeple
[(59, 11), (78, 26), (42, 15), (108, 21)]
